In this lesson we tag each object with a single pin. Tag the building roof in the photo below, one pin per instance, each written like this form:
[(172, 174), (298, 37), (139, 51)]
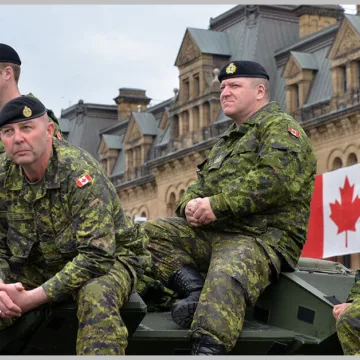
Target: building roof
[(354, 21), (146, 121), (113, 142), (211, 42), (119, 167), (305, 60)]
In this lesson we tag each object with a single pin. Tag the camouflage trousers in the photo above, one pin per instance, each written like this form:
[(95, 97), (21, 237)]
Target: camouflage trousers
[(101, 330), (237, 266), (348, 329)]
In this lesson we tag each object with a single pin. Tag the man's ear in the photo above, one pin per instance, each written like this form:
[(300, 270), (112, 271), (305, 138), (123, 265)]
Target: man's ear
[(50, 128), (8, 72), (260, 91)]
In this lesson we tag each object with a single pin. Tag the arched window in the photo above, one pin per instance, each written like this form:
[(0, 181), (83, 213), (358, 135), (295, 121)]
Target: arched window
[(337, 164), (171, 205), (351, 160)]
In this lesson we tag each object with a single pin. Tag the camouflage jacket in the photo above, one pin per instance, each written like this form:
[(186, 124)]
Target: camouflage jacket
[(259, 178), (51, 117), (355, 289), (65, 234)]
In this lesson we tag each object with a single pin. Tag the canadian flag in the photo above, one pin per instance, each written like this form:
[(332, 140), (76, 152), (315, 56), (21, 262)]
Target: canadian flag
[(83, 180), (334, 224)]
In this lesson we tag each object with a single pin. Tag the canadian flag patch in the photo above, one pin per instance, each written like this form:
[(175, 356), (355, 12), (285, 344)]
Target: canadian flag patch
[(83, 180), (293, 132)]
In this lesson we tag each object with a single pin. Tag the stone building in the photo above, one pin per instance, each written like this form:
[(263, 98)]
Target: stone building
[(312, 54)]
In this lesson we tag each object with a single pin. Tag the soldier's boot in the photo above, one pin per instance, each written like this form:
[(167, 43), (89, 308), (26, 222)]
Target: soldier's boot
[(188, 283), (205, 345)]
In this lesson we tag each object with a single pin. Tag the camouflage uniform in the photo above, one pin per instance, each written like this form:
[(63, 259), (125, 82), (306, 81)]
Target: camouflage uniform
[(348, 324), (259, 178), (72, 240), (51, 117)]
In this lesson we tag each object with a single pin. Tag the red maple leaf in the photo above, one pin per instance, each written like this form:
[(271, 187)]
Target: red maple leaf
[(345, 215)]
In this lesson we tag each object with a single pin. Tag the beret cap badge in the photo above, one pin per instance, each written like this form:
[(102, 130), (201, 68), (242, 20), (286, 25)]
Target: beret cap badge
[(27, 112), (231, 68)]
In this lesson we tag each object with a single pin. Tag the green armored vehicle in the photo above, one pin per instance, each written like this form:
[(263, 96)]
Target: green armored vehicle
[(293, 316)]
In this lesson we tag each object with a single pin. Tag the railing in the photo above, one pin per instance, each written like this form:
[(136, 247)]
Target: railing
[(351, 98)]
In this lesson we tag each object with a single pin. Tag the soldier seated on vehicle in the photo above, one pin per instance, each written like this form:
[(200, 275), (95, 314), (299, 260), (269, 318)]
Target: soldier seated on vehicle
[(243, 220), (347, 316), (10, 69), (63, 231)]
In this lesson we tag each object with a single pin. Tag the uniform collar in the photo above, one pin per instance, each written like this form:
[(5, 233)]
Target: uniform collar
[(252, 121)]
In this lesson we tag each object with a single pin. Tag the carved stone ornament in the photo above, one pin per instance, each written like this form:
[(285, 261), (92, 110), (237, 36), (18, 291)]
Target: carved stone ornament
[(189, 51), (347, 40), (251, 13), (135, 133)]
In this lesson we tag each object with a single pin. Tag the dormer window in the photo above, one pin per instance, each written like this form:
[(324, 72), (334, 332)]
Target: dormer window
[(299, 73)]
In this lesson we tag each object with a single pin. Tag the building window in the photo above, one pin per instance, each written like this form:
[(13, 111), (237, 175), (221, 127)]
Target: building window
[(337, 164), (297, 98), (351, 160), (185, 89), (171, 206), (196, 85), (344, 79)]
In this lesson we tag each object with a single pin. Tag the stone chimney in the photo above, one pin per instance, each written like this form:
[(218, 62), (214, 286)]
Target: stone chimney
[(130, 100), (313, 18)]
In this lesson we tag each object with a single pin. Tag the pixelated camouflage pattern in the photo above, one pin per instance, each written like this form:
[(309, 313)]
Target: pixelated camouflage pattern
[(64, 236), (51, 116), (101, 329), (259, 179), (348, 329), (238, 270), (355, 289)]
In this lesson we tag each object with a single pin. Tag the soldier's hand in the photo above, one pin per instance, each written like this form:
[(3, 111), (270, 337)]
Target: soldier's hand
[(204, 214), (190, 208), (338, 309), (8, 306)]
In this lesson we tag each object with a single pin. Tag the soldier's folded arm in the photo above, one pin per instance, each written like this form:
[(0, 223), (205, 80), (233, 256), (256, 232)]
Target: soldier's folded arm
[(91, 217), (275, 178)]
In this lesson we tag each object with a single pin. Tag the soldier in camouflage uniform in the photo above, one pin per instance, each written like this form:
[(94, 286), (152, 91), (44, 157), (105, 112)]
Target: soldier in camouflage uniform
[(243, 220), (63, 231), (9, 78), (347, 317)]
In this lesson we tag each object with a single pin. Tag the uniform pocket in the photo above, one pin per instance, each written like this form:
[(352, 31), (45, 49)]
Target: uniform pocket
[(18, 244)]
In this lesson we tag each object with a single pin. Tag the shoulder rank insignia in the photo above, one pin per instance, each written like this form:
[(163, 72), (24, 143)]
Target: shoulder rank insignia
[(230, 69), (27, 112), (293, 132), (83, 180)]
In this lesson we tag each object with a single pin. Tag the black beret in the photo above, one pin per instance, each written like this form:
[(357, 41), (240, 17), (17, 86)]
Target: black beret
[(22, 108), (9, 55), (244, 68)]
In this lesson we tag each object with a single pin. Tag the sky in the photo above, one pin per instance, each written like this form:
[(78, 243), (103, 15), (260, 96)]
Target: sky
[(88, 52)]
